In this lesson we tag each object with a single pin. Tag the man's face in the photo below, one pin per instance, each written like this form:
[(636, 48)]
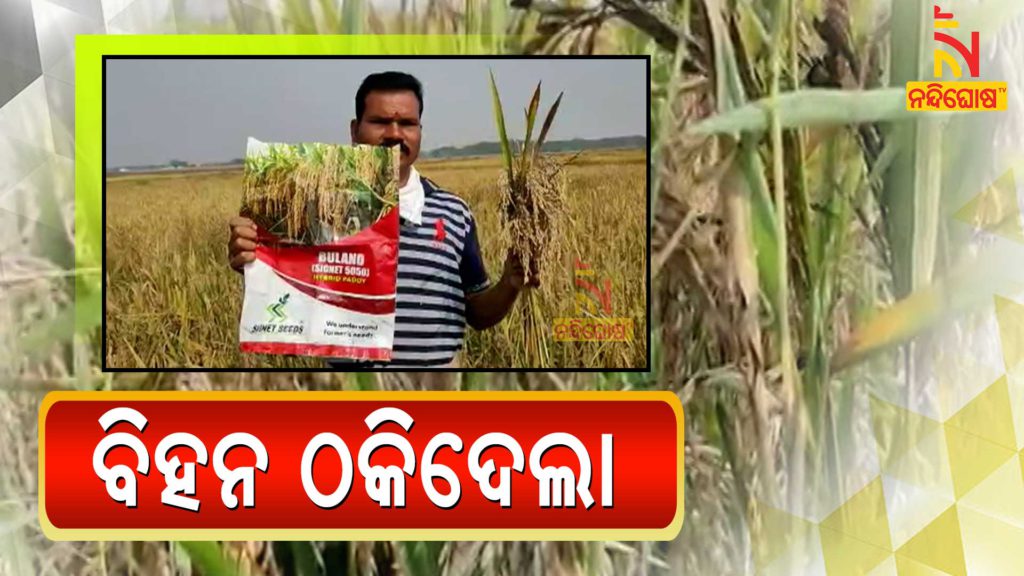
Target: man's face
[(390, 118)]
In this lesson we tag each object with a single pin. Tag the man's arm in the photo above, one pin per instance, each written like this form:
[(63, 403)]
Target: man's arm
[(487, 308), (487, 305)]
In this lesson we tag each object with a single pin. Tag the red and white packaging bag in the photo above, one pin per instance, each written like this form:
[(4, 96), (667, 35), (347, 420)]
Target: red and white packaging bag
[(332, 299)]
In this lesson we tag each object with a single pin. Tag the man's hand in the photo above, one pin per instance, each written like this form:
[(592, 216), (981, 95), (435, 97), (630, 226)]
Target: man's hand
[(487, 308), (242, 244), (514, 273)]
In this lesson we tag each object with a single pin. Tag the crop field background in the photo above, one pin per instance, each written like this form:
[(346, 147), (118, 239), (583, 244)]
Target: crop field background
[(823, 261), (172, 300)]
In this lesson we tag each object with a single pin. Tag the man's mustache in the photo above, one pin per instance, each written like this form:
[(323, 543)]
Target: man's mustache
[(400, 143)]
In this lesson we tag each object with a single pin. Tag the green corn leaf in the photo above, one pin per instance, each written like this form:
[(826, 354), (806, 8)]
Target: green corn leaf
[(911, 193), (208, 557), (331, 15), (365, 381), (307, 560), (964, 289), (819, 107), (353, 17), (300, 15), (422, 558), (499, 120), (472, 18)]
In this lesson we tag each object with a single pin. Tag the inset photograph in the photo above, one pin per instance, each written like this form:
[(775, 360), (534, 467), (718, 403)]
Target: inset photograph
[(469, 213)]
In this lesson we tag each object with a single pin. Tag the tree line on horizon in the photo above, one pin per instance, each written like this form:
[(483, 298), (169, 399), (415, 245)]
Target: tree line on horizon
[(476, 149)]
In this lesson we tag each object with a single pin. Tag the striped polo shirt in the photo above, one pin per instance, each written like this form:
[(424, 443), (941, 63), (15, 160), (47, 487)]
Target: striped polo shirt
[(439, 265)]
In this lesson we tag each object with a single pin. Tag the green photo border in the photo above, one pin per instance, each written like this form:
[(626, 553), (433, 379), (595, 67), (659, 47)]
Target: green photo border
[(89, 96)]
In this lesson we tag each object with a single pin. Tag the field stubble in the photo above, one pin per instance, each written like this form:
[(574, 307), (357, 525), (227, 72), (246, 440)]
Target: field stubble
[(172, 301)]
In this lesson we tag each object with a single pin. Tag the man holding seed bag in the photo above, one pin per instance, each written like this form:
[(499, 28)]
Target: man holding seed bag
[(439, 291)]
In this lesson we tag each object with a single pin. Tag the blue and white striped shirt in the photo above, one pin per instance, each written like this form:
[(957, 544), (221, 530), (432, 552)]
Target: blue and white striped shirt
[(439, 265)]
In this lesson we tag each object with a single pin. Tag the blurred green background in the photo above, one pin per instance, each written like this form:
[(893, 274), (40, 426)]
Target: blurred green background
[(816, 249)]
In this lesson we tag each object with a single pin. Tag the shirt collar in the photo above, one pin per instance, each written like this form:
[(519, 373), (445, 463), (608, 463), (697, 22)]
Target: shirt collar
[(411, 198)]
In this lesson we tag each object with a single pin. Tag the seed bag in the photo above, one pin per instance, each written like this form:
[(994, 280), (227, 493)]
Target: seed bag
[(323, 282)]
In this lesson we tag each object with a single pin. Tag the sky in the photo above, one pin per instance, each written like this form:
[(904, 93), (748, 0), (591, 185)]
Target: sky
[(204, 110)]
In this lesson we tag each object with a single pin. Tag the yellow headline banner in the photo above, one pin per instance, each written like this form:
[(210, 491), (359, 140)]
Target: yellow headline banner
[(956, 96)]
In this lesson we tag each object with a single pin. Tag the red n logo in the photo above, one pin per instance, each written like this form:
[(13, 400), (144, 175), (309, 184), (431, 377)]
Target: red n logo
[(588, 294), (972, 57)]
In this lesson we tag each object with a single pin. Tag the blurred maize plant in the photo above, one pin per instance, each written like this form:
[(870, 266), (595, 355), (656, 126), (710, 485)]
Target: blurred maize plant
[(800, 253)]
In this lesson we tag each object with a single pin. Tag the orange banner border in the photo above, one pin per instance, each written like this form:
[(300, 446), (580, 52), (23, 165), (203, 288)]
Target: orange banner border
[(669, 532)]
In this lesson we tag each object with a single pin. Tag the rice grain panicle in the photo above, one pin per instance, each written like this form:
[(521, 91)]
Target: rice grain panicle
[(532, 217), (311, 193)]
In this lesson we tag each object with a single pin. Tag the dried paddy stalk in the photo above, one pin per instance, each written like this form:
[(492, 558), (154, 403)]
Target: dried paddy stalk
[(312, 193), (533, 209)]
